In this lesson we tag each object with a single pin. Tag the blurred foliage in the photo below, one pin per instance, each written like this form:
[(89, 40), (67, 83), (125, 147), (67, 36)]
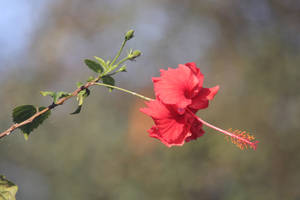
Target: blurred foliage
[(8, 189), (250, 48)]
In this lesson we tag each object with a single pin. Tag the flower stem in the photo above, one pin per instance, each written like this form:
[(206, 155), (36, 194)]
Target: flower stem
[(123, 60), (119, 53), (124, 90), (117, 65)]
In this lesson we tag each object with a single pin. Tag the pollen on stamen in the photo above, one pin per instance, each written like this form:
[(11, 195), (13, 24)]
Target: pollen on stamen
[(242, 139)]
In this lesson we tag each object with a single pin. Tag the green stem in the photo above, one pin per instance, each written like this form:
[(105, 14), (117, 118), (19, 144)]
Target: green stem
[(123, 60), (119, 53), (117, 65), (124, 90)]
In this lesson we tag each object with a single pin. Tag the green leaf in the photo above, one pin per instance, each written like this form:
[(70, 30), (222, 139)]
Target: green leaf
[(77, 110), (87, 93), (91, 78), (108, 80), (55, 95), (101, 61), (79, 84), (60, 95), (82, 95), (48, 93), (8, 189), (51, 94), (80, 98), (22, 113), (96, 67)]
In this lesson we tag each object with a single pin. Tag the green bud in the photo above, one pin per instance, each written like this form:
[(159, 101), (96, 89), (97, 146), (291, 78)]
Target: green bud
[(134, 54), (129, 34), (122, 69)]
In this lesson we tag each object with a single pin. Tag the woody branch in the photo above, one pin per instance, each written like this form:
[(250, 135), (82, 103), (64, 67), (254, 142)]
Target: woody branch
[(50, 107)]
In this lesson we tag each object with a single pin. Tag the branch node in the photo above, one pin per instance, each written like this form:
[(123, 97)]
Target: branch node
[(82, 87), (53, 105)]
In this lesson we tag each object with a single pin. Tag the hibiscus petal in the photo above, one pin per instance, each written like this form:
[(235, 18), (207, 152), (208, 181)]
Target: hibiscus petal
[(199, 103), (172, 132), (196, 71), (154, 132), (170, 127), (196, 130), (201, 100), (176, 85), (156, 109), (212, 92)]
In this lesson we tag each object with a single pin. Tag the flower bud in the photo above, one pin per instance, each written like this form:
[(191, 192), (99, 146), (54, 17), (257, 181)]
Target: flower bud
[(129, 34), (134, 54), (122, 69)]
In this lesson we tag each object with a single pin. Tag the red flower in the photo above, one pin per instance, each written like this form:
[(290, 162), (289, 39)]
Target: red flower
[(183, 87), (179, 95), (172, 128), (176, 90)]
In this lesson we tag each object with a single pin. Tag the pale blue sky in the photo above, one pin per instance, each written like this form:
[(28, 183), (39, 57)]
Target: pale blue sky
[(18, 19)]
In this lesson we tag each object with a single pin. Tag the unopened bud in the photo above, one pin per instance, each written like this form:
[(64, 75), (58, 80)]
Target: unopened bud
[(134, 54), (122, 69), (129, 34)]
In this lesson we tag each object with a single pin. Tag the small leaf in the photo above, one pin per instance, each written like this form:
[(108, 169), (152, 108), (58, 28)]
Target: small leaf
[(79, 84), (77, 110), (8, 189), (101, 61), (109, 81), (22, 113), (55, 98), (87, 92), (62, 95), (91, 78), (80, 98), (47, 93), (51, 94), (96, 67), (26, 136), (55, 95)]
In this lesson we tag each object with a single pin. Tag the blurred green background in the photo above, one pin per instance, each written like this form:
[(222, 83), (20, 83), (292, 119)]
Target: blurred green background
[(250, 48)]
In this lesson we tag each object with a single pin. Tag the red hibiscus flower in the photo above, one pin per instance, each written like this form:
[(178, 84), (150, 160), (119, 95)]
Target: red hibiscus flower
[(183, 87), (179, 95), (172, 128)]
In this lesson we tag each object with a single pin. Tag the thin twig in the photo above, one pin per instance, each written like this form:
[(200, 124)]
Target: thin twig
[(50, 107)]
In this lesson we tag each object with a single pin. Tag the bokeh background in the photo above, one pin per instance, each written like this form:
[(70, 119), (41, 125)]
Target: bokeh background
[(250, 48)]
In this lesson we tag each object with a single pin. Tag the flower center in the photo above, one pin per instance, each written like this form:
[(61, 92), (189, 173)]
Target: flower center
[(180, 110)]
